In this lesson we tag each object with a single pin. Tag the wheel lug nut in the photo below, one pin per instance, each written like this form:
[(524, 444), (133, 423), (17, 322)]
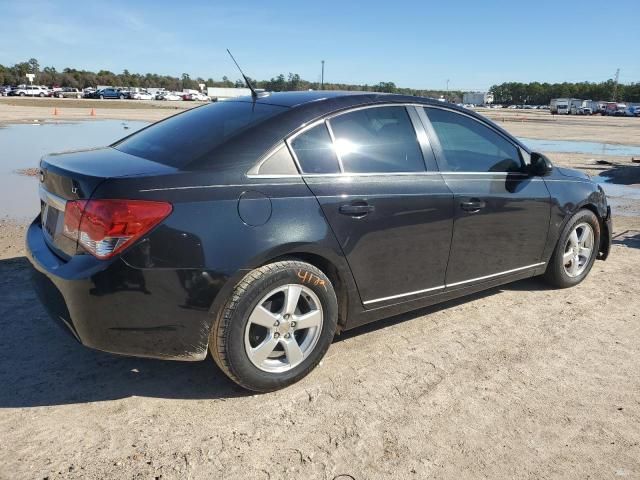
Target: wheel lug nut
[(286, 335), (286, 316), (293, 324), (277, 324), (276, 335)]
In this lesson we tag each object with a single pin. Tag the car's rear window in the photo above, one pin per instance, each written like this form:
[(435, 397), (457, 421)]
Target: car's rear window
[(180, 140)]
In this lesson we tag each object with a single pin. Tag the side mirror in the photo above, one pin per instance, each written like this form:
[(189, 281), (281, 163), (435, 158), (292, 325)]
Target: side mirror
[(540, 165)]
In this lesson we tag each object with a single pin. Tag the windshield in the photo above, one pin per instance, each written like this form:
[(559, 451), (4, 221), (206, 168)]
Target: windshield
[(189, 136)]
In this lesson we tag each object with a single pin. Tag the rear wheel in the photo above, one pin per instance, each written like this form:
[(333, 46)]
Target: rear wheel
[(276, 327), (575, 251)]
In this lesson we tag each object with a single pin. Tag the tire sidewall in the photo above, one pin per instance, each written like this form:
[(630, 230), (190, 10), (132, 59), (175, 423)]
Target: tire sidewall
[(583, 216), (238, 359)]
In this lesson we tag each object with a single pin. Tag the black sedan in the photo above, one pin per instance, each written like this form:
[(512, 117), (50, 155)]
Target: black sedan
[(257, 228)]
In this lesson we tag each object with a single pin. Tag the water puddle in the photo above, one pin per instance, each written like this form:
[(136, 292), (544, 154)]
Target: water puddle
[(576, 146), (22, 146)]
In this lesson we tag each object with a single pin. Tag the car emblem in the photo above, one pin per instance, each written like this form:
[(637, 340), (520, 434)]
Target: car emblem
[(42, 175)]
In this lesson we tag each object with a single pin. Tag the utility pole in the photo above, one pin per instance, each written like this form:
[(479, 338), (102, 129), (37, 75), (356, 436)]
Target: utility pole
[(322, 77), (615, 84), (447, 97)]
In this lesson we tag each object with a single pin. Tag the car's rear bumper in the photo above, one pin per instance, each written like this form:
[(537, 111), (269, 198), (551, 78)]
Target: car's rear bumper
[(111, 306)]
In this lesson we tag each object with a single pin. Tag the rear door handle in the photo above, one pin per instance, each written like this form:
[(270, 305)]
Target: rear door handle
[(356, 209), (473, 205)]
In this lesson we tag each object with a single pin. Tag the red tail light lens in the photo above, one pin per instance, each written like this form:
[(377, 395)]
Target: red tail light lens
[(106, 227)]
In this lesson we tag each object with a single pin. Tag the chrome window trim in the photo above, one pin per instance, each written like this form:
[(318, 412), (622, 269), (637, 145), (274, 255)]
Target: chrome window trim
[(326, 120), (333, 143), (455, 284)]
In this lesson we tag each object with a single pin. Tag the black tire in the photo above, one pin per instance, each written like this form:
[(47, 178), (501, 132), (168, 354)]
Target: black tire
[(101, 97), (555, 274), (22, 94), (227, 335), (121, 97)]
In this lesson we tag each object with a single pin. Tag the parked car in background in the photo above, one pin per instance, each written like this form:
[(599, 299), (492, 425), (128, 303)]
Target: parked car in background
[(172, 96), (195, 96), (29, 91), (107, 93), (4, 90), (68, 92), (293, 216), (141, 95)]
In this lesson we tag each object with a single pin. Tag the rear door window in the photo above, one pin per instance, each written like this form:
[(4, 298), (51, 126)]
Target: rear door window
[(377, 140), (314, 151), (470, 146), (189, 136)]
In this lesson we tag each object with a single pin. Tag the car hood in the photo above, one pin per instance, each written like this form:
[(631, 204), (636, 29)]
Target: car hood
[(570, 172)]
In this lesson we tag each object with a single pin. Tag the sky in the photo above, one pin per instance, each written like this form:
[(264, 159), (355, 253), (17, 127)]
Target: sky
[(413, 43)]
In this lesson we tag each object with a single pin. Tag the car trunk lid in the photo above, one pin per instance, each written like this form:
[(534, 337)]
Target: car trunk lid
[(75, 176)]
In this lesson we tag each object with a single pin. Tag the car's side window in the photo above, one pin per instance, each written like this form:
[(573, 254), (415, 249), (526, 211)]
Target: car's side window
[(470, 146), (314, 151), (377, 140), (279, 162)]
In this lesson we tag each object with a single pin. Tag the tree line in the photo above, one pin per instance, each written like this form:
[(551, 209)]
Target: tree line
[(534, 93), (71, 77)]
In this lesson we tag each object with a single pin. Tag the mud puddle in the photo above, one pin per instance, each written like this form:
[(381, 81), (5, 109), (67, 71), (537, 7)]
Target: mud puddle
[(22, 146)]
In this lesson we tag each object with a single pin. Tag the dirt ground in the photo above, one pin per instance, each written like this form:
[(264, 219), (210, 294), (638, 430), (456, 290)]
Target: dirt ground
[(520, 381)]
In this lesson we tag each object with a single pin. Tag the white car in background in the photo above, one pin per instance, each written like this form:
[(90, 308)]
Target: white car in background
[(141, 95), (172, 96), (195, 96), (30, 91)]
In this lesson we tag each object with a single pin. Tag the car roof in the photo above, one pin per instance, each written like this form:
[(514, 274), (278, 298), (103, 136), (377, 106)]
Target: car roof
[(299, 98)]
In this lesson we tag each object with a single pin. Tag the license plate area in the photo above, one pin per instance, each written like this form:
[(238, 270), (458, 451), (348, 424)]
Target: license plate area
[(52, 219)]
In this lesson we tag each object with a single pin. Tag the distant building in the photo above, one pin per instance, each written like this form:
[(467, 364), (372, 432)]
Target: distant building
[(221, 93), (477, 98)]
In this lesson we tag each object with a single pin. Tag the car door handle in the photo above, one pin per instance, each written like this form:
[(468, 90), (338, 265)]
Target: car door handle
[(473, 205), (356, 209)]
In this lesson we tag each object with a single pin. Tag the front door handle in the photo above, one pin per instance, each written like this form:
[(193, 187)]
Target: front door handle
[(356, 209), (473, 205)]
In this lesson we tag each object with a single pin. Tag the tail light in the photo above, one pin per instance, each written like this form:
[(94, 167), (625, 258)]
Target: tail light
[(106, 227)]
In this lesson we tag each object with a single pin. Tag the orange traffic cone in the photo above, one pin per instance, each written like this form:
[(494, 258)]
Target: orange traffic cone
[(55, 111), (93, 112)]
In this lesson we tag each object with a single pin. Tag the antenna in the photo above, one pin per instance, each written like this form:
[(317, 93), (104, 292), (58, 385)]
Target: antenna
[(254, 94)]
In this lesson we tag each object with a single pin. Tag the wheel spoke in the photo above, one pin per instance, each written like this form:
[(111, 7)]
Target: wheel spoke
[(567, 257), (291, 297), (573, 238), (263, 317), (262, 351), (293, 351), (585, 252), (308, 320), (584, 237), (575, 264)]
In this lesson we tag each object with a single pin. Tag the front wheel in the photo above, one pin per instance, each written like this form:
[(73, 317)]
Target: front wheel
[(101, 97), (575, 251), (276, 327)]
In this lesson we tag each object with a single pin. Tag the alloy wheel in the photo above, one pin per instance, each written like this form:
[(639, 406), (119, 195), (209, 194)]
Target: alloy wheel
[(283, 328), (578, 250)]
